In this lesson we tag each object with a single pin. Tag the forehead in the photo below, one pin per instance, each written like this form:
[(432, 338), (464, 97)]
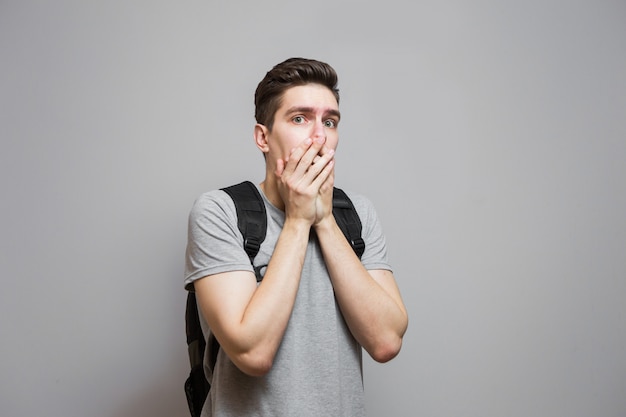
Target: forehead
[(309, 95)]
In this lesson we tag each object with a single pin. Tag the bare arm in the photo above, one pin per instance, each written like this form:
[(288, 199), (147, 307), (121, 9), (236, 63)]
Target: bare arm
[(369, 300)]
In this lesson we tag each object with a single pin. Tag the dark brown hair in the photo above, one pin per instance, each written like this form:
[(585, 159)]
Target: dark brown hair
[(290, 73)]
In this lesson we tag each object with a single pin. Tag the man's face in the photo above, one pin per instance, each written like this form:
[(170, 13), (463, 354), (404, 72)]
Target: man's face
[(307, 111)]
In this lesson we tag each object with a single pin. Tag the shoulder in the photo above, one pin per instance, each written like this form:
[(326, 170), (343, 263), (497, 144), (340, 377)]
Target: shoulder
[(217, 197), (213, 203)]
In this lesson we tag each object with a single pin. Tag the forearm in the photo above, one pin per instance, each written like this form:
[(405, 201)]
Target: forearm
[(370, 302), (269, 309), (250, 320)]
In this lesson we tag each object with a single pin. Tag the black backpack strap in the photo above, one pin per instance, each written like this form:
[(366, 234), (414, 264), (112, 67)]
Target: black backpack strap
[(348, 220), (251, 218), (196, 385)]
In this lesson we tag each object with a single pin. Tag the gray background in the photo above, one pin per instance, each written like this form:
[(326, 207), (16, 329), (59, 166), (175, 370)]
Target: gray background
[(491, 135)]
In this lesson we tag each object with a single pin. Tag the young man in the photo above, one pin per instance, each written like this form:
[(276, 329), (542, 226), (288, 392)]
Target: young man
[(291, 345)]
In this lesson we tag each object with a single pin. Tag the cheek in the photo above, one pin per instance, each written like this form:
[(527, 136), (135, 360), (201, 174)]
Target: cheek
[(332, 141), (291, 140), (285, 147)]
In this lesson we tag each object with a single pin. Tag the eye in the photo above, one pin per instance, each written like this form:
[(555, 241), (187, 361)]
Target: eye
[(330, 123), (298, 120)]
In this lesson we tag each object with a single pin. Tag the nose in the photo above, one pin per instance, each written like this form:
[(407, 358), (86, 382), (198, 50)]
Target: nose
[(319, 131)]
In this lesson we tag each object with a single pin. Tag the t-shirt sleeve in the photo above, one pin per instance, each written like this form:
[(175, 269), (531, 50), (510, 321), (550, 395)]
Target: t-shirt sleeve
[(375, 254), (214, 243)]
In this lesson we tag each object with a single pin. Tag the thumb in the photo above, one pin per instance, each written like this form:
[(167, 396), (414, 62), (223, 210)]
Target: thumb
[(280, 167)]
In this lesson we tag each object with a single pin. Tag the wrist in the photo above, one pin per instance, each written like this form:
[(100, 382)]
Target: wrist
[(297, 224), (326, 224)]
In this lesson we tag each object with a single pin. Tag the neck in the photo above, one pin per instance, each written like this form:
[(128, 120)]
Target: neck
[(270, 189)]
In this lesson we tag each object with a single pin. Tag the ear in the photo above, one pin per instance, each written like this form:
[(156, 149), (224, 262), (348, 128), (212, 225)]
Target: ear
[(261, 134)]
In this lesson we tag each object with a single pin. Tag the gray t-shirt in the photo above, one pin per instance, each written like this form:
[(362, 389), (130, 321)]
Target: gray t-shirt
[(317, 370)]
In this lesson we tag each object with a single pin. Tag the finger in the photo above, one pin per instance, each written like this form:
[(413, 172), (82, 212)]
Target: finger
[(317, 168), (324, 174), (327, 185), (320, 161), (280, 167), (325, 149), (307, 159), (296, 154)]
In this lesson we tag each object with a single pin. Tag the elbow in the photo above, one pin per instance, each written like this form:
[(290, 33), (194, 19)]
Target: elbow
[(254, 363), (387, 346), (386, 350), (253, 358)]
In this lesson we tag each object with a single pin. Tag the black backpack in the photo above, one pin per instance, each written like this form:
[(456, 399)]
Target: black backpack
[(252, 223)]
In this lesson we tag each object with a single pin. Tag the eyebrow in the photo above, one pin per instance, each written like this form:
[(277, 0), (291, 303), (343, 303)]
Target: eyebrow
[(304, 109)]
